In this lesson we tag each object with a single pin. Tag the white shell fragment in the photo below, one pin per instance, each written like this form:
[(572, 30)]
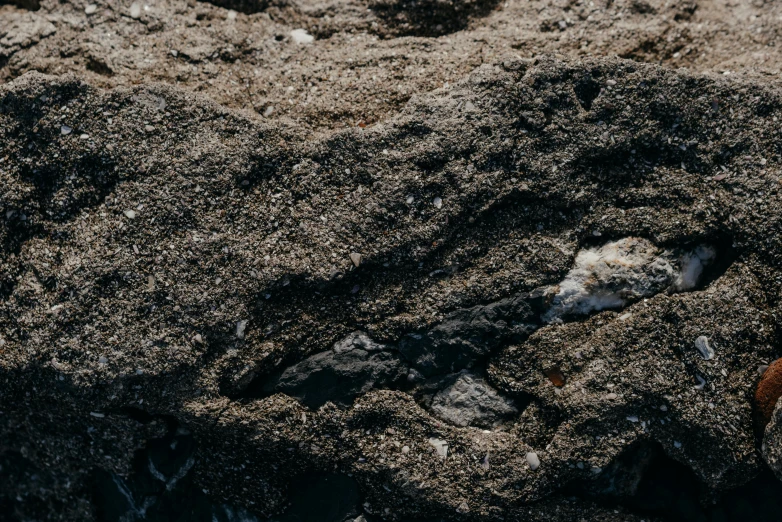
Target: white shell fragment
[(441, 446), (533, 460), (300, 36), (355, 257), (706, 351)]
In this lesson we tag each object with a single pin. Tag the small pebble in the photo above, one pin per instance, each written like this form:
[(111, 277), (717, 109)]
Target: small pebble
[(65, 130), (702, 344), (84, 137), (135, 10), (611, 396), (356, 258), (438, 202), (130, 214), (268, 111), (149, 128), (405, 450), (300, 36), (90, 9), (533, 460), (441, 446), (240, 328), (410, 200)]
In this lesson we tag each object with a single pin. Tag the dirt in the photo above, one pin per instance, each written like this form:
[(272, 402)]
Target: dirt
[(193, 204)]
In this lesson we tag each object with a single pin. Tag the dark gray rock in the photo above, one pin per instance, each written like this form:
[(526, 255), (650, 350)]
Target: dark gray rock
[(354, 366), (469, 335)]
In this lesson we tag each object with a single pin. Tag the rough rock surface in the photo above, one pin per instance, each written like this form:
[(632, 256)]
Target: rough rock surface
[(180, 277), (772, 442), (470, 401)]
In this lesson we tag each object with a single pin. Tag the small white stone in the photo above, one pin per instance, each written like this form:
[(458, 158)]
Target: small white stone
[(438, 202), (97, 415), (356, 258), (677, 444), (702, 344), (300, 36), (135, 10), (405, 450), (268, 111), (197, 338), (632, 418), (65, 130), (84, 137), (130, 214), (611, 396), (241, 326), (533, 460), (90, 9), (410, 200), (441, 446)]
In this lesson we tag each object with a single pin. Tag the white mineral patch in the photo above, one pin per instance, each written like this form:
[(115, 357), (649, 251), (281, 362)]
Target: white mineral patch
[(620, 272)]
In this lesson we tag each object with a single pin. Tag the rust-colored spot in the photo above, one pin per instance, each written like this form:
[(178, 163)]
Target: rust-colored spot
[(362, 124), (556, 376), (767, 394)]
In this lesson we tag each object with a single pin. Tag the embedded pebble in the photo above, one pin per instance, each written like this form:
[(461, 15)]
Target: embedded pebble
[(533, 460), (438, 202), (702, 344), (130, 214), (65, 130), (356, 258), (90, 9), (135, 10), (240, 328), (441, 446), (300, 36)]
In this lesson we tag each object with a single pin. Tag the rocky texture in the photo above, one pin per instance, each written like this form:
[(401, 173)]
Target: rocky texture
[(353, 367), (165, 257), (772, 442), (369, 58)]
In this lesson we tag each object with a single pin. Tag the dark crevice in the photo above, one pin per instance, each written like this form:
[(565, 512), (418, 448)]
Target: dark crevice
[(651, 484)]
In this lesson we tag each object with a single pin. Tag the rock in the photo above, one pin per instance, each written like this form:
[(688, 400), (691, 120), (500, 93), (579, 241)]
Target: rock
[(355, 257), (135, 10), (355, 365), (241, 326), (533, 460), (772, 441), (702, 344), (90, 9), (468, 335), (130, 214), (470, 401), (300, 36), (440, 446), (767, 394)]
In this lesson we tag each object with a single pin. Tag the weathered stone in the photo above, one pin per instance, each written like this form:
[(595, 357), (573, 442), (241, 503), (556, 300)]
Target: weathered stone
[(470, 401)]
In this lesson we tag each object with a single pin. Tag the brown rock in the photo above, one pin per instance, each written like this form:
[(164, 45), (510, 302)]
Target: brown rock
[(767, 394)]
